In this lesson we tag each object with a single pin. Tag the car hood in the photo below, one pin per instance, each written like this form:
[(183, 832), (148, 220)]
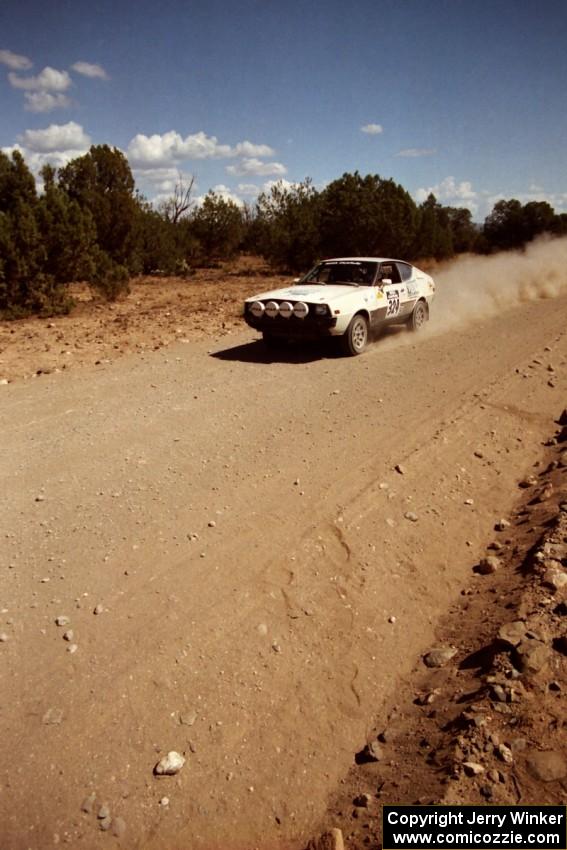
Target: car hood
[(310, 293)]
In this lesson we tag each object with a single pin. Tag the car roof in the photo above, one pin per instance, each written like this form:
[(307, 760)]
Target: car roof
[(364, 259)]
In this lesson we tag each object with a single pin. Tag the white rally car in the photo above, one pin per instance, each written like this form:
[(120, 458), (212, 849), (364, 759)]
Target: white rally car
[(345, 297)]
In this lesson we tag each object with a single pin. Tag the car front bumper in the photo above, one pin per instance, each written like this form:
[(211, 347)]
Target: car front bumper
[(311, 327)]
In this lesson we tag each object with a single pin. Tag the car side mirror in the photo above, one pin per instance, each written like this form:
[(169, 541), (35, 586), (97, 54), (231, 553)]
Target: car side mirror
[(296, 279)]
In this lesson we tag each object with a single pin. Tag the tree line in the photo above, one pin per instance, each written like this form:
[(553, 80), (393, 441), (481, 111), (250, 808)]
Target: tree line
[(89, 223)]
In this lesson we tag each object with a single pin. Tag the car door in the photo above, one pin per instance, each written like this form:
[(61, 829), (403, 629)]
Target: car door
[(408, 290), (392, 287)]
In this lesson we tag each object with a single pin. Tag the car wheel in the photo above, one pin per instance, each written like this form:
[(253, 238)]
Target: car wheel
[(355, 338), (419, 316)]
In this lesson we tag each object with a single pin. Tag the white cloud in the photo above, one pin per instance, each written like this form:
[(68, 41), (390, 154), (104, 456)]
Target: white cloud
[(252, 190), (249, 189), (224, 192), (15, 61), (481, 203), (56, 145), (89, 70), (35, 161), (162, 180), (158, 184), (416, 152), (166, 149), (451, 193), (557, 200), (252, 165), (161, 191), (284, 184), (171, 147), (56, 137), (45, 91), (44, 101), (250, 149), (47, 80), (372, 129)]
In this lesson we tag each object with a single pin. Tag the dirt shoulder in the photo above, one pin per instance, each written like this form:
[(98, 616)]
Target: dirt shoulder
[(158, 312), (481, 717)]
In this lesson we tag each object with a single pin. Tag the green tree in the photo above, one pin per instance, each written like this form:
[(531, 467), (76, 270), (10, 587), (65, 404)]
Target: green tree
[(17, 184), (217, 225), (286, 228), (367, 215), (434, 237), (101, 182), (102, 185), (537, 217), (25, 285), (503, 228), (511, 225), (560, 224), (157, 245), (68, 233), (464, 233)]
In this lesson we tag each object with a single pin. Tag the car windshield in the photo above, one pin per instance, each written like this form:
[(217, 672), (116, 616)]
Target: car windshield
[(353, 272)]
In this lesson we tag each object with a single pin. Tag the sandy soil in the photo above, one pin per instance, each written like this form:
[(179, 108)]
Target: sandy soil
[(156, 313), (247, 578)]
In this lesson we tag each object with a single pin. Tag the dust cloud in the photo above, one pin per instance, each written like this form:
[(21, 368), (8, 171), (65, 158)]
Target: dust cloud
[(476, 287)]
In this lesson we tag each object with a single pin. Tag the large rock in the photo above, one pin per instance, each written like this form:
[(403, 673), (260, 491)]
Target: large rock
[(473, 768), (512, 633), (489, 565), (331, 840), (170, 764), (439, 656), (532, 655), (547, 766), (555, 577)]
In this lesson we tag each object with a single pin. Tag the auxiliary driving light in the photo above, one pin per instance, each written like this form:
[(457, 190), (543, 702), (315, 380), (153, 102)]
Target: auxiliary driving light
[(300, 310), (257, 309), (286, 309), (272, 309)]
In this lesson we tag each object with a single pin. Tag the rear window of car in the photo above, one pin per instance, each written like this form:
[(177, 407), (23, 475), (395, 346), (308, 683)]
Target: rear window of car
[(405, 271)]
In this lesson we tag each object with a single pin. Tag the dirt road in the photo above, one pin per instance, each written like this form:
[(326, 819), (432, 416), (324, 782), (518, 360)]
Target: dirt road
[(246, 576)]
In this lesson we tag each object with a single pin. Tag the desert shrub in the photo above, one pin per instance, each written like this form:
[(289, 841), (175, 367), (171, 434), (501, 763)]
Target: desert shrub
[(183, 269), (157, 249), (110, 279)]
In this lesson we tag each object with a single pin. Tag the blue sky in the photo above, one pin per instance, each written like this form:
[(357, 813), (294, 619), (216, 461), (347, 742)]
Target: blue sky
[(465, 98)]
